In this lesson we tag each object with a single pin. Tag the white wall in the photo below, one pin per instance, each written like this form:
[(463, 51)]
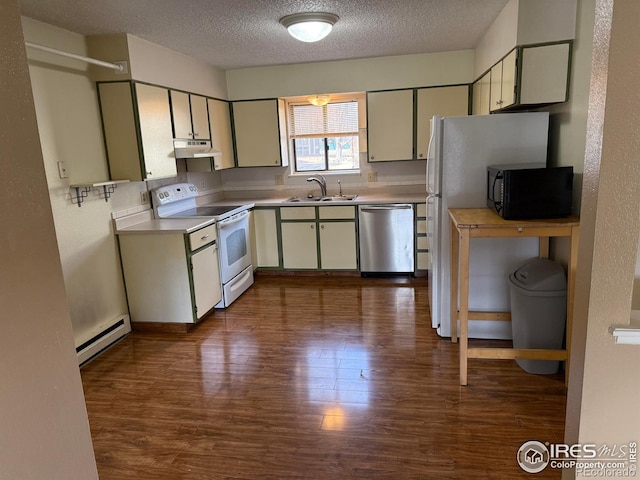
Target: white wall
[(523, 22), (45, 430), (403, 71), (604, 394)]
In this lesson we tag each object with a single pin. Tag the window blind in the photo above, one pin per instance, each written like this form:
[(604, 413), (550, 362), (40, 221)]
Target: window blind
[(331, 120)]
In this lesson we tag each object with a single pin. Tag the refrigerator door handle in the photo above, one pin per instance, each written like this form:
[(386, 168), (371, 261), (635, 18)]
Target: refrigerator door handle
[(429, 157)]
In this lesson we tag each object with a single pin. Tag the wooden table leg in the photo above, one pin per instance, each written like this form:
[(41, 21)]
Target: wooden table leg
[(543, 243), (571, 285), (464, 303), (454, 283)]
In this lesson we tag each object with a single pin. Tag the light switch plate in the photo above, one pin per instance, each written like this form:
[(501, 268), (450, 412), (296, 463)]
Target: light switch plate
[(62, 170)]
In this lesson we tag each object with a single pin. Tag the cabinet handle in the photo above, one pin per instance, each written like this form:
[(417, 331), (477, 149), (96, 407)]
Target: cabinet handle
[(312, 227), (195, 134), (420, 155), (204, 237), (149, 173), (190, 134), (322, 227), (372, 157)]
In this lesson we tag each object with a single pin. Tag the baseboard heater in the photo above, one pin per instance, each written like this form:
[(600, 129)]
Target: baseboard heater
[(114, 331)]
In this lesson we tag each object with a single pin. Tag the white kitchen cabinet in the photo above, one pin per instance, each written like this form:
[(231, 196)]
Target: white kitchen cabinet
[(136, 120), (332, 230), (482, 95), (444, 101), (503, 82), (529, 75), (190, 117), (167, 280), (260, 133), (545, 74), (338, 246), (390, 125), (422, 241), (299, 245), (221, 140), (265, 238)]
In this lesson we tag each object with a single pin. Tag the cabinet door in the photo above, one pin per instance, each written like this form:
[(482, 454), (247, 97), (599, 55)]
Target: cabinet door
[(199, 117), (155, 131), (481, 95), (266, 238), (206, 279), (508, 87), (495, 87), (545, 73), (299, 245), (443, 101), (120, 131), (181, 115), (390, 125), (221, 138), (338, 246), (257, 133)]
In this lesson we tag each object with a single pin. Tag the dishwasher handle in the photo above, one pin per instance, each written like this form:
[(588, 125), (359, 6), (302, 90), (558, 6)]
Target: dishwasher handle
[(386, 207)]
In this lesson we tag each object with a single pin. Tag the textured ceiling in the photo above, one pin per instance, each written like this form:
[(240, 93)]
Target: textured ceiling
[(246, 33)]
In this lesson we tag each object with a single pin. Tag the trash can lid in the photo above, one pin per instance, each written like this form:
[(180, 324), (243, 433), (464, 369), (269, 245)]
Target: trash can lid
[(540, 274)]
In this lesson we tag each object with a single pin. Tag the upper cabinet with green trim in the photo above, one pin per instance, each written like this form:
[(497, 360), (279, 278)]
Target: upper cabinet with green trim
[(442, 101), (390, 125), (398, 121), (136, 119), (190, 118), (529, 75), (221, 139), (260, 133)]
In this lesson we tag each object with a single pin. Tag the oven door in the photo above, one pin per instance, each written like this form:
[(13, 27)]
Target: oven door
[(233, 244)]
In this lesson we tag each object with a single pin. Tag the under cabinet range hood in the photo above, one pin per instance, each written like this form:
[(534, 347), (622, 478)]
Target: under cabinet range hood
[(194, 149)]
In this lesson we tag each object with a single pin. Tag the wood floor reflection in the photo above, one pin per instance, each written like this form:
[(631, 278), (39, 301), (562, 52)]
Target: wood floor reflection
[(318, 378)]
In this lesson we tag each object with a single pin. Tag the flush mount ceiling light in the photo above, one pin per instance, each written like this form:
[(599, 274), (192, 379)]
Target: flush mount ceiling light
[(309, 27), (319, 100)]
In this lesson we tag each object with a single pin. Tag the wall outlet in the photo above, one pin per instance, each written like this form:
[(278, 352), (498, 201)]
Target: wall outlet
[(144, 197), (279, 179), (372, 176), (62, 170)]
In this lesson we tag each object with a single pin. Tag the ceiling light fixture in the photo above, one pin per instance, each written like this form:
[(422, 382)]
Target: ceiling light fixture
[(309, 27), (319, 100)]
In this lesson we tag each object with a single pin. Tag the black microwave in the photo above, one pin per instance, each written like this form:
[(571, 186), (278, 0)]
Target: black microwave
[(526, 191)]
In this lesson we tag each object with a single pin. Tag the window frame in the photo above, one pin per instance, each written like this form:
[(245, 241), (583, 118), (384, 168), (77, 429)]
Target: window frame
[(360, 99)]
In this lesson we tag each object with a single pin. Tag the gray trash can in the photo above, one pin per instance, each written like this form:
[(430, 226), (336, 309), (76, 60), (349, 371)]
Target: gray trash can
[(538, 311)]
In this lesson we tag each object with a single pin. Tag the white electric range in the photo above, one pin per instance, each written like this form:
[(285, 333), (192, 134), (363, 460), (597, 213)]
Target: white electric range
[(232, 227)]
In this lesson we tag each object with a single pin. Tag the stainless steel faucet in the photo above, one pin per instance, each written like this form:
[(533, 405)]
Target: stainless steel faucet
[(321, 181)]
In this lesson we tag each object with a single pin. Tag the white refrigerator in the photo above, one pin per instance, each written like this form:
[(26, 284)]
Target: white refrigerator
[(460, 150)]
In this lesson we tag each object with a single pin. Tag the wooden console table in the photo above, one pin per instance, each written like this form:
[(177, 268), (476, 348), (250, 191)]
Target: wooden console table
[(468, 223)]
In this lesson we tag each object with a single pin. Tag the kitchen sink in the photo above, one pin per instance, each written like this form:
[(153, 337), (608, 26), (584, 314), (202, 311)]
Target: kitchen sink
[(332, 198)]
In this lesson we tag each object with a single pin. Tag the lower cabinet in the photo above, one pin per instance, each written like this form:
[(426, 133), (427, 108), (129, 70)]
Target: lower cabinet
[(299, 245), (171, 277), (322, 238), (265, 238), (423, 255)]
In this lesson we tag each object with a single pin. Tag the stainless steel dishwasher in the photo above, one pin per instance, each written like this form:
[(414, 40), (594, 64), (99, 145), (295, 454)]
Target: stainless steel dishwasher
[(386, 238)]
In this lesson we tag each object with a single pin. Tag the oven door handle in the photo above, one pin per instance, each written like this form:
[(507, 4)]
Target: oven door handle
[(230, 221)]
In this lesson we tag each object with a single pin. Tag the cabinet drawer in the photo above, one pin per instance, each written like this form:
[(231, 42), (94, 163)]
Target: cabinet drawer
[(423, 243), (421, 209), (328, 213), (202, 237), (298, 213), (424, 261), (421, 226)]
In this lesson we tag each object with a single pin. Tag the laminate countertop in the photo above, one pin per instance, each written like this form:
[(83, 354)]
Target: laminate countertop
[(366, 199)]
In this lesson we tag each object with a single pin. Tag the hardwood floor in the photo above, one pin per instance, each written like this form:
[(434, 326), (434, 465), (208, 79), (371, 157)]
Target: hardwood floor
[(318, 378)]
